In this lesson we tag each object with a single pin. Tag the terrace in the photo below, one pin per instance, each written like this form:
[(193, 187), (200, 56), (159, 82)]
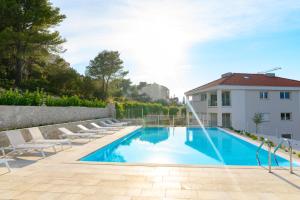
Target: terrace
[(62, 176)]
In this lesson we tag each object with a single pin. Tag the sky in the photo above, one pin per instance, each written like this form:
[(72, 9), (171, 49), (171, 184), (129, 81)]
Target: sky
[(183, 44)]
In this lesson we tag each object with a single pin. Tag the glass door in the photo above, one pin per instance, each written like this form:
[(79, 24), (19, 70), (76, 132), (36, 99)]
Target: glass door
[(226, 120)]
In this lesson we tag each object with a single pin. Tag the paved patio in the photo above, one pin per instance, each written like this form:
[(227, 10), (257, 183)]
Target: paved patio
[(60, 176)]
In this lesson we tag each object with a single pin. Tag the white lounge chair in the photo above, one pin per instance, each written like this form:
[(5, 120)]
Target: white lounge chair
[(118, 121), (105, 127), (5, 162), (73, 135), (103, 123), (37, 137), (18, 143), (109, 121), (84, 129)]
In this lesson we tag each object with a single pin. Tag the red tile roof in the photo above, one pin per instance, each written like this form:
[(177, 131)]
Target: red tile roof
[(242, 79)]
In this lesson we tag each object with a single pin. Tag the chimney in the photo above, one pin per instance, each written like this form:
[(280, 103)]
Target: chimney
[(226, 75), (270, 74)]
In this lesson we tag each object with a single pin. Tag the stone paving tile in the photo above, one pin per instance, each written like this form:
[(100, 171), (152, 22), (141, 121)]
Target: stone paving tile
[(9, 194), (72, 196), (60, 176), (154, 193)]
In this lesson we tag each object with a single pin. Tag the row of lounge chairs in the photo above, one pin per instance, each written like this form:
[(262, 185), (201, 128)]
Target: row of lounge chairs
[(39, 143)]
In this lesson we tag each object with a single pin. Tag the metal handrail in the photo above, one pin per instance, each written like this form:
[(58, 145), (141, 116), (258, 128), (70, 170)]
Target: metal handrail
[(275, 150), (258, 149), (290, 151)]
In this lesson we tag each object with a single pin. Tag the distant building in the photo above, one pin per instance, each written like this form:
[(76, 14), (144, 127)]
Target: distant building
[(234, 99), (155, 91)]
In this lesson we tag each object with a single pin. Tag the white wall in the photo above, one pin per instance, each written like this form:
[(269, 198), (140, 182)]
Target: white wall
[(237, 109), (274, 106)]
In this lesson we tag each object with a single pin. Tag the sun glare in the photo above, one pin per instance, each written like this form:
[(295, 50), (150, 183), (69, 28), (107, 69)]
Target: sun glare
[(157, 40)]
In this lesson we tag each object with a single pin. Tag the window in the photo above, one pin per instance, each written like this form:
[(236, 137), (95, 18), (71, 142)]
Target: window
[(263, 95), (226, 99), (286, 116), (284, 95), (203, 97), (213, 100), (226, 120), (213, 119), (265, 117), (287, 135)]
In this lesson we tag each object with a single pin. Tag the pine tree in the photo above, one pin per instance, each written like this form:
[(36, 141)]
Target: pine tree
[(26, 34)]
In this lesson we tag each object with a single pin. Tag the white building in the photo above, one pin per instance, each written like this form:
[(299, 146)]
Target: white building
[(155, 91), (234, 99)]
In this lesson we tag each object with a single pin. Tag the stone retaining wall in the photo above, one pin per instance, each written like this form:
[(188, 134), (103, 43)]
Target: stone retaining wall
[(13, 117)]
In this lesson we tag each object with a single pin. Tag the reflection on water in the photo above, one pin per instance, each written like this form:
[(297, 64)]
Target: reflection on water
[(180, 146), (155, 135), (198, 142)]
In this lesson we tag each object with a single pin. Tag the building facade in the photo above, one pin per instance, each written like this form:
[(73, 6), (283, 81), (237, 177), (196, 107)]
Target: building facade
[(155, 92), (234, 99)]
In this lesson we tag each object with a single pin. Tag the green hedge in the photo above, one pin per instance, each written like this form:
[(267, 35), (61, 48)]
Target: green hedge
[(15, 97), (132, 109), (38, 98)]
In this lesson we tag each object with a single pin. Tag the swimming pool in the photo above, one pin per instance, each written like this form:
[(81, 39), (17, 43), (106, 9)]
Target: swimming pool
[(181, 145)]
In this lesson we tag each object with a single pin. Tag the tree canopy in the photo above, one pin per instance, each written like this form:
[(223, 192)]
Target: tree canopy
[(26, 37), (106, 67)]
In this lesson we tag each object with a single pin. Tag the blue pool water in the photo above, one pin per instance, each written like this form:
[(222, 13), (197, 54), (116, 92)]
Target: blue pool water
[(181, 146)]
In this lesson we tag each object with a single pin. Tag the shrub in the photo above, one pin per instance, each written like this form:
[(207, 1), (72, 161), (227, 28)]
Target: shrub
[(261, 138), (120, 110), (10, 97), (38, 98), (254, 137), (165, 110), (298, 155), (15, 97), (248, 134), (173, 110), (238, 131), (73, 101), (270, 143)]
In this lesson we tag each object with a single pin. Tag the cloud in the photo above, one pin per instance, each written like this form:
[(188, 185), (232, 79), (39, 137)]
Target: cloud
[(154, 37)]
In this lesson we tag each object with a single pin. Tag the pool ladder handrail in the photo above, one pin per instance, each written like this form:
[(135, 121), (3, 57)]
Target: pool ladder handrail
[(290, 151), (258, 149), (265, 140)]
